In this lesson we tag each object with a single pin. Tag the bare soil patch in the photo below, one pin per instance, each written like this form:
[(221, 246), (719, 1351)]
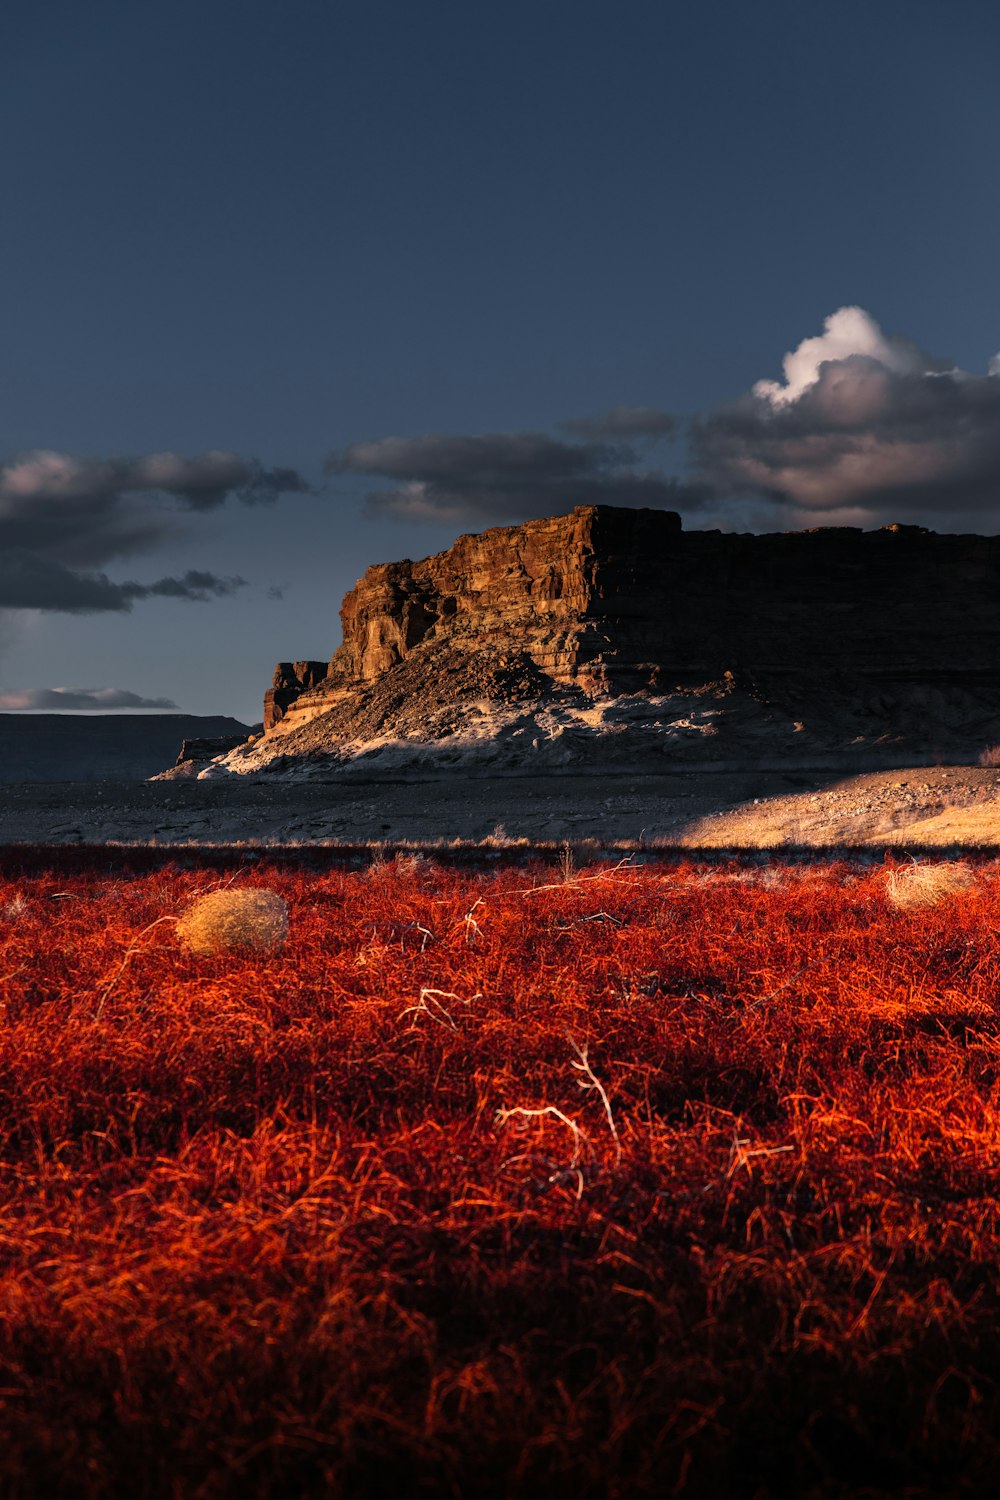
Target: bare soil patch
[(925, 806), (935, 806)]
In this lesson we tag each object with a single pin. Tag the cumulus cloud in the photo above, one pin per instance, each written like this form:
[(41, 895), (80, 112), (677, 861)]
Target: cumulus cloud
[(62, 700), (31, 581), (865, 426), (849, 333), (504, 475), (624, 423), (63, 518)]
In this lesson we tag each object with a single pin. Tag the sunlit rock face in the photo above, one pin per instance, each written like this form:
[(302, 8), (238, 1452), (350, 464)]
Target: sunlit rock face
[(562, 591), (615, 625), (291, 680)]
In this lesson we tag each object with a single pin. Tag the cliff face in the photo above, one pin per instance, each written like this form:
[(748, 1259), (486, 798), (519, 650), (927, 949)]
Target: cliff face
[(543, 588), (291, 680), (848, 630)]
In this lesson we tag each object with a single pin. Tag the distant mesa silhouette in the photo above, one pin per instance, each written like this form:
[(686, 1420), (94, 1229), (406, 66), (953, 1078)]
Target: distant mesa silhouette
[(43, 747)]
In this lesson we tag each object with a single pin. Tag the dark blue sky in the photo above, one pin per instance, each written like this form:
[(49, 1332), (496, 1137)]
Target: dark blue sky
[(282, 229)]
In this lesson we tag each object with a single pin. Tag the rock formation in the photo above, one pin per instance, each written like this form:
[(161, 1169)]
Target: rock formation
[(612, 633), (291, 680), (196, 753)]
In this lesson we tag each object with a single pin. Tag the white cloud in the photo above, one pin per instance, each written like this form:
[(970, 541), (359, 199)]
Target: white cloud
[(865, 425), (850, 331)]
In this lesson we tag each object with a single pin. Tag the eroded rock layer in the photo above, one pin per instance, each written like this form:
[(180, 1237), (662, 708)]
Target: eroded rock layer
[(616, 622)]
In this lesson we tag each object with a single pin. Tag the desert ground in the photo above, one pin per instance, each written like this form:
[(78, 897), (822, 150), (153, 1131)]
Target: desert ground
[(934, 807)]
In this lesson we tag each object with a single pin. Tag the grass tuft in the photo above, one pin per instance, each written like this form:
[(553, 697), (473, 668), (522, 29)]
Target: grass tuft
[(927, 885), (226, 921)]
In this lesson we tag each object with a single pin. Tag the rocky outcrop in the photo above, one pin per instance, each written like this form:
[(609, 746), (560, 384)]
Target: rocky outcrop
[(561, 590), (611, 621), (195, 754), (291, 680)]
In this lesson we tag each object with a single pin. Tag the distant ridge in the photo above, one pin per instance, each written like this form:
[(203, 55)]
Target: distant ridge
[(100, 747)]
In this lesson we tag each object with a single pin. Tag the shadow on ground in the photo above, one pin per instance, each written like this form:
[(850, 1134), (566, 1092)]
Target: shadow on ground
[(938, 805)]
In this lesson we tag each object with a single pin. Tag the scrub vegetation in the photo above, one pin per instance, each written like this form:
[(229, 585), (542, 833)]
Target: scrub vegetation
[(497, 1180), (230, 920)]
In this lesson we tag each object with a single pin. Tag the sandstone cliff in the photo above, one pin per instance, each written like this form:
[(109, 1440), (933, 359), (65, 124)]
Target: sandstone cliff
[(612, 632)]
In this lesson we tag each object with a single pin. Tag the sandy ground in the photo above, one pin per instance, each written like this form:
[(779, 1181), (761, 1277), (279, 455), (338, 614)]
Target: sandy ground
[(927, 806), (930, 806)]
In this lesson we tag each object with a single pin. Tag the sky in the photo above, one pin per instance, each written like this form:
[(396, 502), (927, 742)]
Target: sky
[(289, 289)]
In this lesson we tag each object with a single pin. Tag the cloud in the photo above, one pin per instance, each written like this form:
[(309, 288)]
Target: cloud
[(61, 700), (195, 584), (30, 581), (504, 475), (64, 518), (628, 423), (864, 426), (59, 480), (86, 511), (265, 486), (848, 333)]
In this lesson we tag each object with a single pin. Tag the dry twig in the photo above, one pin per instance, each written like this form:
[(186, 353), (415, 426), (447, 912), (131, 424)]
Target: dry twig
[(589, 1082), (560, 1175), (579, 880), (128, 954), (435, 1010)]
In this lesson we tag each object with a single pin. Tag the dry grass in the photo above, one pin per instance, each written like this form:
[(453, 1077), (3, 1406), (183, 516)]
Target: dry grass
[(916, 884), (228, 921), (648, 1185)]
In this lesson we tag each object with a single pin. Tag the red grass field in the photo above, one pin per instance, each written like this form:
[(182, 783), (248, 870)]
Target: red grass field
[(273, 1226)]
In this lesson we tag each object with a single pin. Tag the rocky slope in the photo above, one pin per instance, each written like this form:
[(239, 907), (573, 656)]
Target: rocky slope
[(611, 637)]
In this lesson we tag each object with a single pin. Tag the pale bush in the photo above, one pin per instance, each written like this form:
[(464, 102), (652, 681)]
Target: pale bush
[(990, 756), (227, 920), (925, 885)]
